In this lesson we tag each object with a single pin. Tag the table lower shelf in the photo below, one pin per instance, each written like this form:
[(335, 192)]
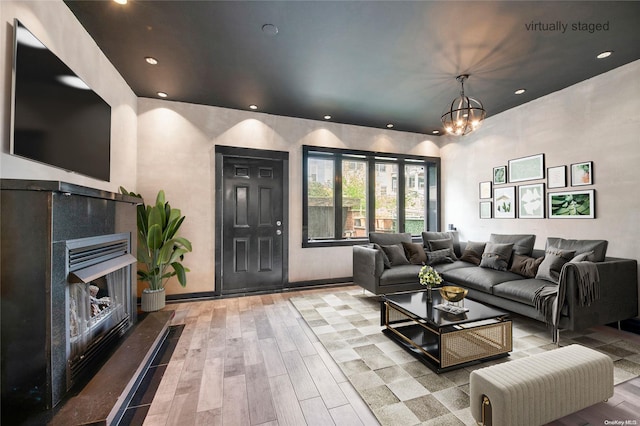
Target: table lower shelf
[(455, 349)]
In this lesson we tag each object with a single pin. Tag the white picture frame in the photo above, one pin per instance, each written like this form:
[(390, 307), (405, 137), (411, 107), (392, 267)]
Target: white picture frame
[(572, 204), (504, 202)]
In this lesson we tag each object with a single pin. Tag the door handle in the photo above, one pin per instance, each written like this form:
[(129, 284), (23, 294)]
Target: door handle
[(278, 232)]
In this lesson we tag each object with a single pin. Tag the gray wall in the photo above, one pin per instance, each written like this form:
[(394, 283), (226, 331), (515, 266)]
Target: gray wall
[(54, 25), (176, 144)]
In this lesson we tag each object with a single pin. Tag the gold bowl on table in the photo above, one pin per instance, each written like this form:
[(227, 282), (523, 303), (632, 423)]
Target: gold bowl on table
[(452, 293)]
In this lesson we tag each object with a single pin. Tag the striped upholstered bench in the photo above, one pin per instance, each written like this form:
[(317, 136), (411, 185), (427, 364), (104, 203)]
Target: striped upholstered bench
[(540, 388)]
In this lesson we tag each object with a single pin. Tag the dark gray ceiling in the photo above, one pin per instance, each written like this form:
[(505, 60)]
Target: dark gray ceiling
[(362, 62)]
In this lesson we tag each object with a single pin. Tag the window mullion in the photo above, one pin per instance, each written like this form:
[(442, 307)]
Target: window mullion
[(337, 193), (401, 196), (371, 203)]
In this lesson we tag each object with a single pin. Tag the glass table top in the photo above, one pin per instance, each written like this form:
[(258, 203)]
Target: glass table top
[(416, 304)]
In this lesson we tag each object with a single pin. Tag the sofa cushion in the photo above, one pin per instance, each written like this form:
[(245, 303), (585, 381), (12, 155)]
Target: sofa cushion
[(599, 247), (525, 265), (443, 267), (440, 256), (396, 255), (481, 279), (496, 256), (522, 291), (473, 252), (386, 239), (415, 253), (402, 274), (522, 243), (551, 266)]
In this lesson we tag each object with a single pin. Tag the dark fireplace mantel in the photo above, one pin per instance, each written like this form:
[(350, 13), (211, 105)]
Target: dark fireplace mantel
[(37, 219)]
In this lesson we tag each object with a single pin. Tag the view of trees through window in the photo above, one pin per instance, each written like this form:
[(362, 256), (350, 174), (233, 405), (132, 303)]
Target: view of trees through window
[(349, 194)]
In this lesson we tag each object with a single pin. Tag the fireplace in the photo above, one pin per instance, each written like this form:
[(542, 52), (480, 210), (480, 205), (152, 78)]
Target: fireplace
[(67, 293), (97, 299)]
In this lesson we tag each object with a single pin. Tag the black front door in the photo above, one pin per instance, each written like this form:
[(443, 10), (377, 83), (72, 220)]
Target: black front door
[(253, 229)]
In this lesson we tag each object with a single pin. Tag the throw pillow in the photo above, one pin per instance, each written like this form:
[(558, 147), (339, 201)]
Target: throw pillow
[(473, 252), (396, 255), (440, 256), (445, 243), (385, 258), (415, 253), (582, 257), (525, 265), (496, 256), (554, 260)]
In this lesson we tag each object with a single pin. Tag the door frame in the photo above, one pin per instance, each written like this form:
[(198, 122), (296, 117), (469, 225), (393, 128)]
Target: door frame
[(222, 151)]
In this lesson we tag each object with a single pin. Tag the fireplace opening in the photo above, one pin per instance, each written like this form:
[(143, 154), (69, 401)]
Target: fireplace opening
[(98, 300)]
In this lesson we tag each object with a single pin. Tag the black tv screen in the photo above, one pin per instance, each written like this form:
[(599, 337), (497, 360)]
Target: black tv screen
[(57, 119)]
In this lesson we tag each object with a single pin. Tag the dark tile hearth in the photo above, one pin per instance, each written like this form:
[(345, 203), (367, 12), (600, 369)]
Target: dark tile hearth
[(139, 405), (101, 400)]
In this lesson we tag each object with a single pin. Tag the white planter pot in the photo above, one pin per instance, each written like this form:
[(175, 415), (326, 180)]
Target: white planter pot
[(153, 300)]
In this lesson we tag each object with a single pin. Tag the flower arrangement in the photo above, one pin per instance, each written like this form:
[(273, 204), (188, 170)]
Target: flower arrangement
[(429, 277)]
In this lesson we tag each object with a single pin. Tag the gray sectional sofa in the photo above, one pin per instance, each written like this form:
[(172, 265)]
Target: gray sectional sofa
[(508, 283)]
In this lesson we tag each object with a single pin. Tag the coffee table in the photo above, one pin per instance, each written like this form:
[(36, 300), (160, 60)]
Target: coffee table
[(441, 340)]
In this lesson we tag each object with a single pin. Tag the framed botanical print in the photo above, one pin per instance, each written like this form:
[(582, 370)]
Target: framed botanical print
[(531, 201), (499, 175), (582, 174), (504, 202), (572, 204)]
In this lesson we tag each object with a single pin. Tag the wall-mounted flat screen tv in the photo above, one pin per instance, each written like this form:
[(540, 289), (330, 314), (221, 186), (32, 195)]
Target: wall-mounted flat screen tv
[(56, 118)]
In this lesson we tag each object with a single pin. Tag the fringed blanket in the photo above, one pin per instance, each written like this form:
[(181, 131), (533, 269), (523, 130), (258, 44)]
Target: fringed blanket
[(550, 299)]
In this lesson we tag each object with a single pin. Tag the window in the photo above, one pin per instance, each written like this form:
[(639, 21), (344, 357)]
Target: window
[(320, 198), (347, 194), (354, 198)]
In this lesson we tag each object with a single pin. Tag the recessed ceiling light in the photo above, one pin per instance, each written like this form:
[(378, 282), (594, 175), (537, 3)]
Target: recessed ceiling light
[(162, 94), (389, 126), (121, 1), (520, 91), (253, 106), (270, 29), (436, 132), (605, 54), (327, 117), (151, 61)]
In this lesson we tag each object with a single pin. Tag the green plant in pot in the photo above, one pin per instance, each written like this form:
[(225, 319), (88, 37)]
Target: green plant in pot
[(160, 250)]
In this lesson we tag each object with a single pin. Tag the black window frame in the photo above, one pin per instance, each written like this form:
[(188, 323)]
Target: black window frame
[(371, 158)]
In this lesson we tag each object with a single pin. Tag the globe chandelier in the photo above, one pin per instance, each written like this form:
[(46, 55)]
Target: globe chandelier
[(465, 114)]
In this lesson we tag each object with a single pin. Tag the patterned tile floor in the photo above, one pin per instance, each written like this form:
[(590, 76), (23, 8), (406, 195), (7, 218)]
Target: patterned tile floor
[(401, 390)]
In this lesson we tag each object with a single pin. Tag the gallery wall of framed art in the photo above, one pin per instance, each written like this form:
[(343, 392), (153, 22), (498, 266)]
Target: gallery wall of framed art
[(522, 190)]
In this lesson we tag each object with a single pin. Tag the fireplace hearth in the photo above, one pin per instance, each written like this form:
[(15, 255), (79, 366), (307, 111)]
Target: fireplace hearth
[(67, 286)]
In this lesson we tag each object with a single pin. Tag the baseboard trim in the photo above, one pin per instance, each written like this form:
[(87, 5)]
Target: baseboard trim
[(292, 286)]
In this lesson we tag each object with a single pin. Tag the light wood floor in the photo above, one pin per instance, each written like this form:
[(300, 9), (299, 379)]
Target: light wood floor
[(252, 361)]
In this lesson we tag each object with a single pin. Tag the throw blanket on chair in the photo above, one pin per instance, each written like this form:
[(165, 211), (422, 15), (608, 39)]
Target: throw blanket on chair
[(550, 299)]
